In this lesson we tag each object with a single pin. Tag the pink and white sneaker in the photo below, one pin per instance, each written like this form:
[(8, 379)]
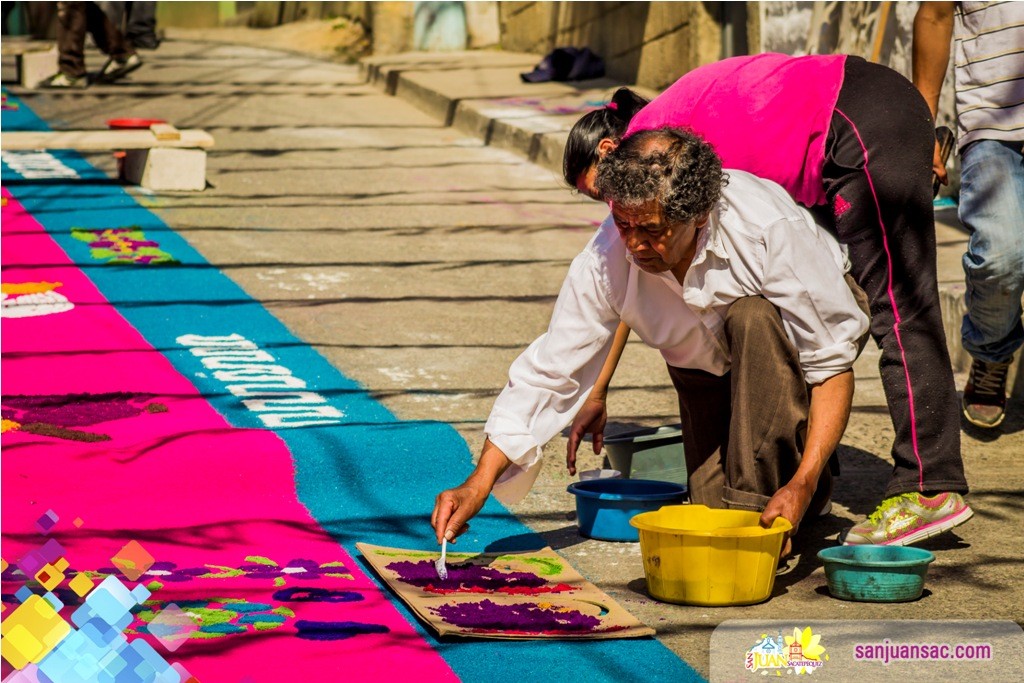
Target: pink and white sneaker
[(909, 518)]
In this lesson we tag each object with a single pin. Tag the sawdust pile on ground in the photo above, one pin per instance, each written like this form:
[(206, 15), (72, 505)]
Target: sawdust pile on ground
[(338, 39)]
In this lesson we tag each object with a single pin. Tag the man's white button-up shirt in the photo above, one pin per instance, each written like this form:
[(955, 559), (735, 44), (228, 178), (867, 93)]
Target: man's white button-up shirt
[(757, 242)]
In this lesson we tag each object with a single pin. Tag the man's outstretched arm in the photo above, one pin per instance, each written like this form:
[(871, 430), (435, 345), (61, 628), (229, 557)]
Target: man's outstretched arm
[(455, 507)]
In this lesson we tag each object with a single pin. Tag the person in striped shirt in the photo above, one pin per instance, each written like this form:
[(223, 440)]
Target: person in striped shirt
[(988, 47)]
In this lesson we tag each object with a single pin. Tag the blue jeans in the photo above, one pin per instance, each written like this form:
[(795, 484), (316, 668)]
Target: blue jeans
[(992, 210)]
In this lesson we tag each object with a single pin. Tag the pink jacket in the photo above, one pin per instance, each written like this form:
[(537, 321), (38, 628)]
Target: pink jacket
[(766, 114)]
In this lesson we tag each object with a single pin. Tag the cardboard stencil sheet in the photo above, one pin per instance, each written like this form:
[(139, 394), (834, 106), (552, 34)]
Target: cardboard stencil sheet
[(533, 594)]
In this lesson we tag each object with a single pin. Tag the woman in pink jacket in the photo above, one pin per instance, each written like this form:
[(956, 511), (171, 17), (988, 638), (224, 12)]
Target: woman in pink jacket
[(854, 141)]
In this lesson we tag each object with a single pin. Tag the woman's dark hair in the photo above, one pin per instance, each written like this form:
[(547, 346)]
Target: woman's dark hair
[(607, 122)]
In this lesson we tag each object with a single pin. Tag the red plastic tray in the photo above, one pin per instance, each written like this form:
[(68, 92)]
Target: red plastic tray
[(126, 124)]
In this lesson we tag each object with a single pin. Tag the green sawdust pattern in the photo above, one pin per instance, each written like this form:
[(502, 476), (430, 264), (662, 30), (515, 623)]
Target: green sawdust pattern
[(219, 622), (547, 566)]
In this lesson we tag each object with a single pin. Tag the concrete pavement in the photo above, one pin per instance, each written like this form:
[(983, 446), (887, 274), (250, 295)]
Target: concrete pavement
[(533, 120), (481, 94), (420, 261)]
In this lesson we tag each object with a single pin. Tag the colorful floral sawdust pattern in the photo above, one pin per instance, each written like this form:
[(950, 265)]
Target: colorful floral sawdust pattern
[(218, 617), (123, 246), (228, 616)]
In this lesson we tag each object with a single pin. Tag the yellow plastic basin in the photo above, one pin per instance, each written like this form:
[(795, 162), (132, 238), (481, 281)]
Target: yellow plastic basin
[(695, 555)]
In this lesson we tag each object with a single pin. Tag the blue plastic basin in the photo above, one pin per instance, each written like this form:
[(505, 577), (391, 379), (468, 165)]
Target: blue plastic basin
[(876, 573), (605, 506)]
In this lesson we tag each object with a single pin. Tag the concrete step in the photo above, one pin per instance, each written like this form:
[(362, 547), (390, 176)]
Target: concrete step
[(481, 94)]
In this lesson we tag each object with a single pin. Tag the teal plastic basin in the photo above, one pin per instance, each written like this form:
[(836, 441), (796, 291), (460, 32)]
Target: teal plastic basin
[(655, 453), (876, 573)]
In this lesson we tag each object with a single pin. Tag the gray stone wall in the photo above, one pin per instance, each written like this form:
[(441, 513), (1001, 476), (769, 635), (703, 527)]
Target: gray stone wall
[(878, 31), (648, 43)]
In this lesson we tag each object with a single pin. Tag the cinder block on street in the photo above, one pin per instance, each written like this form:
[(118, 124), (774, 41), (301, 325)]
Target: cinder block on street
[(951, 300), (166, 169), (34, 66)]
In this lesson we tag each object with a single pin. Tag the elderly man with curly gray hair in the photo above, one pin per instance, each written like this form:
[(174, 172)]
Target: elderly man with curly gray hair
[(747, 300)]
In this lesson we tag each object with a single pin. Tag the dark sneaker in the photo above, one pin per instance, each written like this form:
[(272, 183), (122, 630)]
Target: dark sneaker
[(909, 518), (63, 82), (148, 41), (114, 69), (985, 394)]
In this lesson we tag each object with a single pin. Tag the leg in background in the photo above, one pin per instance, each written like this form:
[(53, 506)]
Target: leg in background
[(141, 25), (108, 37), (992, 210), (71, 27)]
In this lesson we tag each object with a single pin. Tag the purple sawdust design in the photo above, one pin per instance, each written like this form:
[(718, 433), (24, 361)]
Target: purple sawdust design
[(472, 578), (74, 410), (308, 569), (163, 571), (336, 630), (168, 571), (301, 569), (55, 414), (65, 595), (487, 615), (300, 594)]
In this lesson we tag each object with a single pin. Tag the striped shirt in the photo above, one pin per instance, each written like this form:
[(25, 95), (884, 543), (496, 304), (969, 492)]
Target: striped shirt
[(988, 48)]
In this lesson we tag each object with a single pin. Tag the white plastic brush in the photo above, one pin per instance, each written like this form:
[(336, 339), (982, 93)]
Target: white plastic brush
[(442, 570)]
